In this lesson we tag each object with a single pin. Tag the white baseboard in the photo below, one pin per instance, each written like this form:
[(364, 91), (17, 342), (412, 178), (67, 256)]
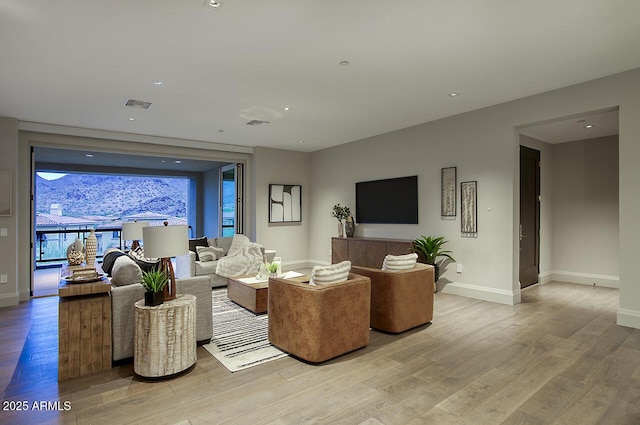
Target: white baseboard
[(545, 277), (7, 300), (629, 318), (482, 293), (586, 278)]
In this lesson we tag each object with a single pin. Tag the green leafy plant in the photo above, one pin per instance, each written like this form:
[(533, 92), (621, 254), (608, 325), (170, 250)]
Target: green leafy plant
[(154, 280), (272, 267), (340, 212), (430, 248)]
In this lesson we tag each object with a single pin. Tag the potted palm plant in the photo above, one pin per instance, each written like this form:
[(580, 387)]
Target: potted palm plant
[(429, 248), (154, 282)]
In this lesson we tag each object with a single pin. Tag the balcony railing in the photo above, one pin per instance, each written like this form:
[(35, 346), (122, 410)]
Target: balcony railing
[(51, 245)]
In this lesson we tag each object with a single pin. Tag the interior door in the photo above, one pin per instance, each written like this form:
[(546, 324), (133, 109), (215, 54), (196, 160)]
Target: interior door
[(529, 216)]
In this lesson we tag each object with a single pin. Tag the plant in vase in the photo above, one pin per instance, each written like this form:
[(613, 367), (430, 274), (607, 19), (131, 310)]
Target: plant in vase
[(273, 269), (154, 282), (429, 248), (341, 213)]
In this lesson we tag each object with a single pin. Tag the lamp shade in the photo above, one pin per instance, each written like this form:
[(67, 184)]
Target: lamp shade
[(132, 230), (165, 241)]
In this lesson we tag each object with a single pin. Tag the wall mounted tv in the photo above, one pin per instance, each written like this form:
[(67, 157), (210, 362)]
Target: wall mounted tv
[(388, 201)]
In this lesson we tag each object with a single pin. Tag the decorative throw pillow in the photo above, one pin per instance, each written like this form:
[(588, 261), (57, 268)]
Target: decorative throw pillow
[(138, 254), (193, 243), (399, 262), (207, 253), (125, 271), (238, 244), (110, 258), (325, 275), (219, 252)]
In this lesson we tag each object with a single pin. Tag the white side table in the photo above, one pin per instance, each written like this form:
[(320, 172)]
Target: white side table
[(165, 337)]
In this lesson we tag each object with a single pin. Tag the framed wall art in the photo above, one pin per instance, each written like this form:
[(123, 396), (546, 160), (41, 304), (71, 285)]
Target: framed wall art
[(5, 194), (469, 209), (448, 183), (285, 203)]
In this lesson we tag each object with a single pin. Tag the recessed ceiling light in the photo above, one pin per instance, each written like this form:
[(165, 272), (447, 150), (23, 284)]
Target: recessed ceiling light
[(589, 126), (212, 3), (344, 63), (178, 162), (157, 82), (454, 94), (220, 131), (300, 142), (89, 155), (287, 108), (131, 119)]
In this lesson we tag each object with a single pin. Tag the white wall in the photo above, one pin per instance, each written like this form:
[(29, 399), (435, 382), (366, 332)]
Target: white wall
[(467, 142), (546, 205), (585, 211), (8, 244), (290, 240)]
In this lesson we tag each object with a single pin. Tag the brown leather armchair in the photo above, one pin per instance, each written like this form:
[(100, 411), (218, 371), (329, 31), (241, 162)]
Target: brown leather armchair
[(400, 300), (318, 323)]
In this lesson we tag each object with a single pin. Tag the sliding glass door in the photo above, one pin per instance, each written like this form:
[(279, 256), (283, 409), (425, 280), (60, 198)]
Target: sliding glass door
[(231, 200)]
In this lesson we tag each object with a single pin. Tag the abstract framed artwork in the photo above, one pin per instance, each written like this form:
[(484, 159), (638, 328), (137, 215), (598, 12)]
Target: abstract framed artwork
[(469, 209), (285, 203), (5, 194), (448, 183)]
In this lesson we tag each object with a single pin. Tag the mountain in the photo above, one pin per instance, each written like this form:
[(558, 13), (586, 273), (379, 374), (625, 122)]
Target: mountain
[(93, 194)]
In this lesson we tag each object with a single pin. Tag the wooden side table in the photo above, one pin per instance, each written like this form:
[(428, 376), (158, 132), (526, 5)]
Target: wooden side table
[(84, 328), (165, 337)]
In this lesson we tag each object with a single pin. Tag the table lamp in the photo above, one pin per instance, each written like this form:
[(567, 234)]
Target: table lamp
[(165, 242), (132, 231)]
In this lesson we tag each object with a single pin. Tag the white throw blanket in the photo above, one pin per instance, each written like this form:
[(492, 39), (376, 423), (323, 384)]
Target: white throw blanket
[(246, 260)]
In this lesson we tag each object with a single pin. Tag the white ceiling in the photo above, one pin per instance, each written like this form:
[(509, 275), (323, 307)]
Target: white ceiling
[(76, 62), (587, 126)]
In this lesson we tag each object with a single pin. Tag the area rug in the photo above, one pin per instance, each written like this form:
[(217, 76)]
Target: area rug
[(240, 338)]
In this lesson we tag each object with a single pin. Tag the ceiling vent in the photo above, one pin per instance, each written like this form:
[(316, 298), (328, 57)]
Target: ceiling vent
[(257, 122), (138, 104)]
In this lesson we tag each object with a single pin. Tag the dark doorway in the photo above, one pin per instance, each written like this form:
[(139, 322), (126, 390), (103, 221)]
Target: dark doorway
[(529, 216)]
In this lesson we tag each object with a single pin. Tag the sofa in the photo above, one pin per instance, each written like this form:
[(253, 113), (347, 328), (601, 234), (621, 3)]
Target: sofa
[(126, 289), (316, 323), (191, 265)]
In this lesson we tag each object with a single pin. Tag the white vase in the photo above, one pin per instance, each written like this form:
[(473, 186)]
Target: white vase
[(340, 229), (91, 248)]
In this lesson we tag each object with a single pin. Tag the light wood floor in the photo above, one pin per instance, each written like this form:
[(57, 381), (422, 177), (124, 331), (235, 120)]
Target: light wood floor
[(557, 358)]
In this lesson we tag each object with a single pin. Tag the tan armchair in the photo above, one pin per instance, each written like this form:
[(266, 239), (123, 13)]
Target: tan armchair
[(317, 323), (400, 300)]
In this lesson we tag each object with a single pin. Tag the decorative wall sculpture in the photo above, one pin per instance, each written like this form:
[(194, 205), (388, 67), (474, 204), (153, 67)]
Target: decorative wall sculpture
[(469, 209), (285, 203), (448, 185)]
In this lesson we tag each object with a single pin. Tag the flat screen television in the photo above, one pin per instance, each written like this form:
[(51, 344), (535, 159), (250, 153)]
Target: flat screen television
[(393, 201)]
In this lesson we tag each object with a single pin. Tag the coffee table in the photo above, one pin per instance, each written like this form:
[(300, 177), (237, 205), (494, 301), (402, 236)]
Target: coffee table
[(252, 293)]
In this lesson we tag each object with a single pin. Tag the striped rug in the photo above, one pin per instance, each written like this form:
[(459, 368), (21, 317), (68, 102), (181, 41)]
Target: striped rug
[(240, 338)]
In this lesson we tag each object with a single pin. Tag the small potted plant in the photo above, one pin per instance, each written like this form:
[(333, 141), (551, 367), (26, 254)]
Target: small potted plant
[(154, 282), (429, 248), (341, 213), (273, 269)]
